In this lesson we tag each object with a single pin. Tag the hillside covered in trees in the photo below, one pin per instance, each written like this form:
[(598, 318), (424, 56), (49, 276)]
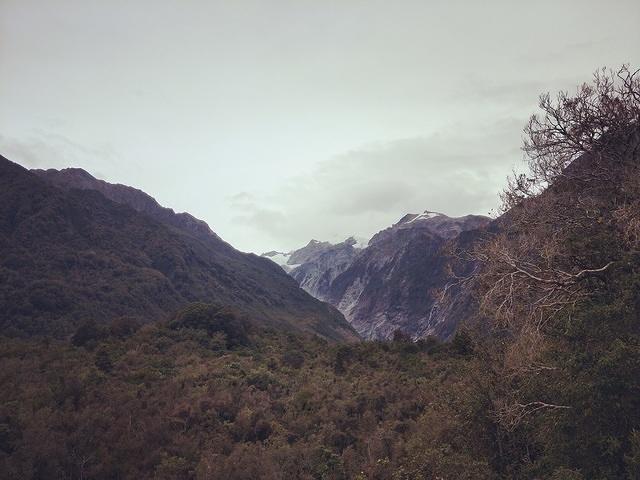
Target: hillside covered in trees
[(176, 401), (541, 380), (72, 256)]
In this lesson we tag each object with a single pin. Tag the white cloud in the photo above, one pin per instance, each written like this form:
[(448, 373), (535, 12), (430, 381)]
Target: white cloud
[(457, 171)]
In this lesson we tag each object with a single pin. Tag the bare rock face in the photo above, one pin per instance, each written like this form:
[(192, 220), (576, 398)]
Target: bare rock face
[(434, 223), (320, 263), (317, 264), (393, 283)]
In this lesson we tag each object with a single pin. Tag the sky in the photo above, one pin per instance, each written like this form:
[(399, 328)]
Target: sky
[(279, 121)]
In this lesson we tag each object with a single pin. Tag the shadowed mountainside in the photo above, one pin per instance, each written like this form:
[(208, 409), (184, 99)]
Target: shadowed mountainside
[(71, 255)]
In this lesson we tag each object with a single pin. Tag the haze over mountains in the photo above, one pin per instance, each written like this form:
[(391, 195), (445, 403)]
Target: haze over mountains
[(387, 284)]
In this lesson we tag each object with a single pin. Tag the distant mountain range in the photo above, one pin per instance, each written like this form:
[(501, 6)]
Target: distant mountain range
[(75, 249), (79, 248), (392, 283)]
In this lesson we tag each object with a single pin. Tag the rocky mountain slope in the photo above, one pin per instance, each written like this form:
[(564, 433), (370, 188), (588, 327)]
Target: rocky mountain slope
[(317, 268), (75, 254), (317, 264), (393, 283)]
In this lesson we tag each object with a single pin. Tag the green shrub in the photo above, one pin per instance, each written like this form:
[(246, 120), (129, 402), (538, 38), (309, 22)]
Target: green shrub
[(213, 319)]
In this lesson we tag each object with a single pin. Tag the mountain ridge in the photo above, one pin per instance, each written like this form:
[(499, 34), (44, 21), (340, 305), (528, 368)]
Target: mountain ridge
[(392, 283), (75, 255)]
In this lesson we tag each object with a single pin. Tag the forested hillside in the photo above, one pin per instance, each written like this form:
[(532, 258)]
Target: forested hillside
[(540, 381), (72, 256), (180, 400)]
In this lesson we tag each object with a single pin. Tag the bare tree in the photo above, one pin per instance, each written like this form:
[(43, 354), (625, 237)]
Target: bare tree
[(583, 174), (583, 159), (592, 121)]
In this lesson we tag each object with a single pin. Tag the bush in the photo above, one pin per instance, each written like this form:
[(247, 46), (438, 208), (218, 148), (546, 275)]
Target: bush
[(462, 343), (344, 354), (124, 326), (103, 361), (566, 474), (261, 379), (87, 335), (293, 359), (213, 319), (401, 336)]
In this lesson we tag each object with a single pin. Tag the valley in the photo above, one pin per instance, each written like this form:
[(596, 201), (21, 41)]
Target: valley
[(136, 343)]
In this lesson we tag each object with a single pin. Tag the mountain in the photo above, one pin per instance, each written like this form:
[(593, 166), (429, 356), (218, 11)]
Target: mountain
[(76, 249), (317, 267), (69, 178), (280, 258), (317, 264), (393, 283)]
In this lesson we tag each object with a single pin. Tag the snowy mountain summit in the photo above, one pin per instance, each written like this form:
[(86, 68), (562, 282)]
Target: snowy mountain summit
[(384, 284), (416, 217)]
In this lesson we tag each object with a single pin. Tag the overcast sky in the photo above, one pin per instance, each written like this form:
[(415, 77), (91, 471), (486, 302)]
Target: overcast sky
[(280, 121)]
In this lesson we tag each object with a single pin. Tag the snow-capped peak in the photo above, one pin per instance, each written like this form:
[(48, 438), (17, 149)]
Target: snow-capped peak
[(361, 242), (278, 257), (425, 216)]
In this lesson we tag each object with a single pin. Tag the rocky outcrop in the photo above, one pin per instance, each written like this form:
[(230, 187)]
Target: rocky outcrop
[(394, 282), (318, 264)]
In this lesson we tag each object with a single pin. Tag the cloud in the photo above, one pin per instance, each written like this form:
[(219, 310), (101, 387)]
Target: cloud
[(242, 198), (457, 171), (513, 95), (49, 150)]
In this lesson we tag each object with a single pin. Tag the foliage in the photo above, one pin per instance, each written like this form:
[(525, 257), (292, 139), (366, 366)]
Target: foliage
[(161, 403), (213, 319), (177, 400)]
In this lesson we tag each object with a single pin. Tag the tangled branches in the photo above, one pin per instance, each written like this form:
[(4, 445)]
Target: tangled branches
[(566, 224), (592, 121)]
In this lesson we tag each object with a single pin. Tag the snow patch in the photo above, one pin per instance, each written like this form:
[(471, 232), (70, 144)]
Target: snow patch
[(425, 216), (361, 242), (278, 257)]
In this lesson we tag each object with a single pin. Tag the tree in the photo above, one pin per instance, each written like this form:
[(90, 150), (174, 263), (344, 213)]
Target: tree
[(214, 319), (568, 223), (103, 361), (87, 334), (594, 121), (582, 181)]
